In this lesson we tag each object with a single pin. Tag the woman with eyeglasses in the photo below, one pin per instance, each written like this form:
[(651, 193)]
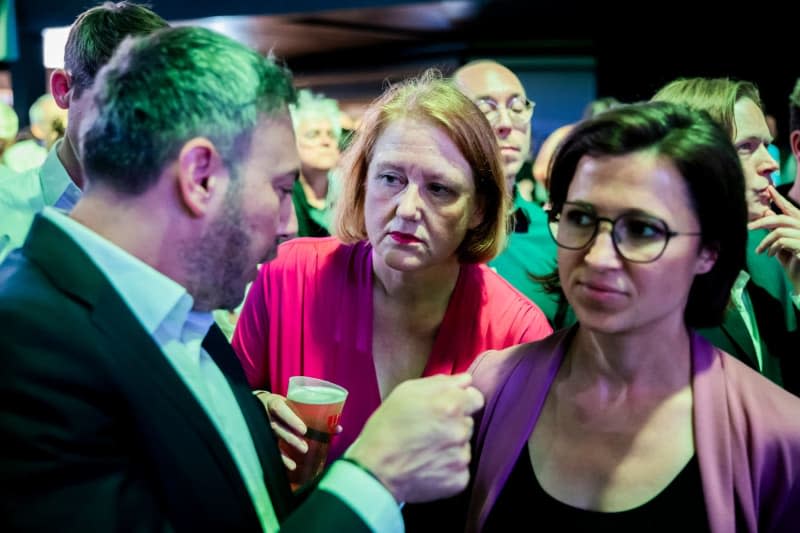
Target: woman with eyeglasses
[(630, 421)]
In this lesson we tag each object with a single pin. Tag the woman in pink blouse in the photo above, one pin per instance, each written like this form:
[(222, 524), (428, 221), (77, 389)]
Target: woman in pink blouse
[(402, 291)]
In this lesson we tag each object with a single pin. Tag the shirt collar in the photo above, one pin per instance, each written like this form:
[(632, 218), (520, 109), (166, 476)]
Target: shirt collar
[(156, 300), (58, 188), (739, 284)]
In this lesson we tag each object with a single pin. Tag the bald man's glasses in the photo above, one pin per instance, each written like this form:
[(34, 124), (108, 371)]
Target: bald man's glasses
[(518, 108)]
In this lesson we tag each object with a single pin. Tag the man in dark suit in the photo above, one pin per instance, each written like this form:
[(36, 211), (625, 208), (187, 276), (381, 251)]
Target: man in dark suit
[(761, 323), (124, 408)]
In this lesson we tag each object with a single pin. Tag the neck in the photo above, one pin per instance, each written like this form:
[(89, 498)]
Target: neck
[(136, 227), (633, 359), (66, 154), (417, 289), (316, 180)]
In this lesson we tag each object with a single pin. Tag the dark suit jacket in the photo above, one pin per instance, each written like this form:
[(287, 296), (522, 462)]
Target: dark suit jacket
[(776, 318), (100, 433)]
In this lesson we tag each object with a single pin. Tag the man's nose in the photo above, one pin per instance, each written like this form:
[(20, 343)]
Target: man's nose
[(766, 164), (503, 124)]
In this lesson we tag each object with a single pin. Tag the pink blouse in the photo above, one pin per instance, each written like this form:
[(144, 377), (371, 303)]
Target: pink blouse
[(309, 313)]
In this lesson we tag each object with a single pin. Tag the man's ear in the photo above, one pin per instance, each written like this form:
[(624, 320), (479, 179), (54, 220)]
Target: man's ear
[(794, 143), (200, 175), (61, 87)]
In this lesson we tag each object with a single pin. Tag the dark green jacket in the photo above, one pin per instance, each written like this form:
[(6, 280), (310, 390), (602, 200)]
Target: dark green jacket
[(531, 252), (776, 318), (307, 226)]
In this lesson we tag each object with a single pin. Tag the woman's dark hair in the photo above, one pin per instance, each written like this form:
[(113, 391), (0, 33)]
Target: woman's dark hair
[(703, 155)]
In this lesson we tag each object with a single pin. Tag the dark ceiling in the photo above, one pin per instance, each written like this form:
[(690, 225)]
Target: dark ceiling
[(636, 49)]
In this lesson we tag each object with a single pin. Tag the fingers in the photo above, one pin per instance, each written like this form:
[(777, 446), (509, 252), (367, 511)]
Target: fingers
[(782, 203), (774, 221), (787, 239), (467, 398), (783, 245), (462, 380), (474, 400), (289, 437), (280, 411), (288, 463), (766, 242)]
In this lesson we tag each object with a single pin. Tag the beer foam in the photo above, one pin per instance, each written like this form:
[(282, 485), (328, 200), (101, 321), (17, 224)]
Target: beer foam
[(314, 394)]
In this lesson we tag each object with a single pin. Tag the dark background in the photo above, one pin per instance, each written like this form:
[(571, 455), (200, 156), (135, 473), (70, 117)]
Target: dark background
[(350, 47)]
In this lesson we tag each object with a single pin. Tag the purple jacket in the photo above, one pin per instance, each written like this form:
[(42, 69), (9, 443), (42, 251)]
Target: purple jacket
[(747, 432)]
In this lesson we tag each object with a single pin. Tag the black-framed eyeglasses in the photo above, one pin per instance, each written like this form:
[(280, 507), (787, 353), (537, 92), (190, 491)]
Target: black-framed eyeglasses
[(519, 109), (637, 237)]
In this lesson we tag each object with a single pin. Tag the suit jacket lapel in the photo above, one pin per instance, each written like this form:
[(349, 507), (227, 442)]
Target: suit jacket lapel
[(767, 273), (71, 269), (264, 440)]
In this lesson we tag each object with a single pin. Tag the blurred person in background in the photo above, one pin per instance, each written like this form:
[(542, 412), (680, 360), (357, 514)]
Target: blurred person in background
[(47, 123), (9, 125), (317, 124), (761, 325), (530, 252), (790, 189), (59, 180), (541, 165)]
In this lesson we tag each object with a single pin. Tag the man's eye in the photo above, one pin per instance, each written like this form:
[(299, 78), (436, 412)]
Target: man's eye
[(517, 106), (486, 106), (748, 147)]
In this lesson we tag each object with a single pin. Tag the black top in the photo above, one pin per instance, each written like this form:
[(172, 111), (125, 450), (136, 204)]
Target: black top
[(524, 506)]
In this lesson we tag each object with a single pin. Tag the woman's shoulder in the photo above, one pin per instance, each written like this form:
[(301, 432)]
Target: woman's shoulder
[(754, 404), (759, 398), (496, 366)]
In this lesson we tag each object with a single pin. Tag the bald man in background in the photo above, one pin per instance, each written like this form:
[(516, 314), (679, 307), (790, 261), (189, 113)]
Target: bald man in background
[(500, 95)]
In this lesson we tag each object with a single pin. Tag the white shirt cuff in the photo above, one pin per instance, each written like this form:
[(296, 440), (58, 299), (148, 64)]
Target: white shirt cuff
[(365, 495)]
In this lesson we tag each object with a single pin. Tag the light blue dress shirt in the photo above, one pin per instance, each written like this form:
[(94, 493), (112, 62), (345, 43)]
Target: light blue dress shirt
[(25, 194), (164, 309)]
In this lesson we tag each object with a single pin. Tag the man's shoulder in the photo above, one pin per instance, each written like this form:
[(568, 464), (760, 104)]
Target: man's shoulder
[(21, 197), (25, 290)]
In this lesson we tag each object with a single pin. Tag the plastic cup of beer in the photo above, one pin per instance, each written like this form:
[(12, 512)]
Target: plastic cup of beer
[(319, 404)]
